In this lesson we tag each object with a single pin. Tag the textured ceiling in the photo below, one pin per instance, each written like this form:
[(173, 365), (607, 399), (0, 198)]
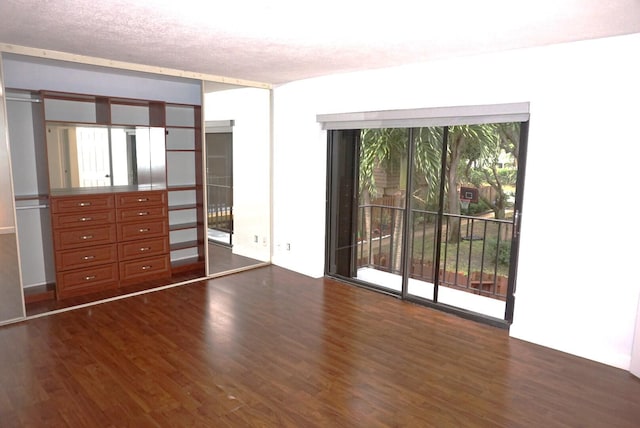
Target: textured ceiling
[(276, 41)]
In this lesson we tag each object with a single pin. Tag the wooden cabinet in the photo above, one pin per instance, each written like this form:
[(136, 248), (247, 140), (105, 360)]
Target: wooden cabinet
[(86, 257), (148, 247), (85, 220), (84, 238), (106, 240), (140, 214), (87, 280), (65, 239), (83, 204), (143, 236), (137, 270), (121, 181)]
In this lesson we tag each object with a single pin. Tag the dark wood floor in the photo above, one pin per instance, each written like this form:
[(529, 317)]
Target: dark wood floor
[(270, 348), (51, 304), (221, 259)]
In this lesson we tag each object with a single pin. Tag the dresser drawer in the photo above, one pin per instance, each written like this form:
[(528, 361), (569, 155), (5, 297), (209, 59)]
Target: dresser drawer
[(152, 267), (75, 238), (86, 219), (142, 213), (84, 203), (141, 199), (142, 230), (81, 281), (86, 257), (144, 248)]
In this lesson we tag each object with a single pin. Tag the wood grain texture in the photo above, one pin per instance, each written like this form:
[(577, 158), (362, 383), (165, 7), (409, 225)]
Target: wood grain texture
[(271, 348), (221, 259)]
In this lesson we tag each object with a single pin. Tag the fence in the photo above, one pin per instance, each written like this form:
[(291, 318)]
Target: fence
[(474, 251)]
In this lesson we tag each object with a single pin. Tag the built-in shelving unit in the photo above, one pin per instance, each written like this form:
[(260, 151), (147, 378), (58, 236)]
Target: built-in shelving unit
[(159, 165), (186, 224)]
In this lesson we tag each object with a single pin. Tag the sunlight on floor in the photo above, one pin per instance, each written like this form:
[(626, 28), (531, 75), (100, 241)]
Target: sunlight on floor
[(218, 236), (449, 296)]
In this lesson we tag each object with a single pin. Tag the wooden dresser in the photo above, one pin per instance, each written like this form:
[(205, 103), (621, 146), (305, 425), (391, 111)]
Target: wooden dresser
[(143, 236), (105, 240)]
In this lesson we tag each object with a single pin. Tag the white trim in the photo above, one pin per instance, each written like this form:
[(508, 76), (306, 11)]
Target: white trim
[(423, 117), (218, 126), (64, 56)]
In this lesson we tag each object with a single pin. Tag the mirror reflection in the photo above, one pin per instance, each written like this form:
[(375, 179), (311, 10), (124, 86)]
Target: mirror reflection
[(237, 159), (82, 156), (10, 286), (219, 167)]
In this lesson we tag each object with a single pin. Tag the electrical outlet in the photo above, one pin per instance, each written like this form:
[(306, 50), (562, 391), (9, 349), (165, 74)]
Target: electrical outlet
[(255, 238), (288, 247)]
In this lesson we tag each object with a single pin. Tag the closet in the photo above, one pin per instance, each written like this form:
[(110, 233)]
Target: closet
[(107, 191), (124, 210)]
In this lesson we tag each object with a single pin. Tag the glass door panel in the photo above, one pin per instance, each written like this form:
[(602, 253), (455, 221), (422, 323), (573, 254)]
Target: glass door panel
[(382, 193), (426, 166), (477, 220)]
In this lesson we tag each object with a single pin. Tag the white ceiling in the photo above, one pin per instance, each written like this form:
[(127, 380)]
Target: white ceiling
[(276, 41)]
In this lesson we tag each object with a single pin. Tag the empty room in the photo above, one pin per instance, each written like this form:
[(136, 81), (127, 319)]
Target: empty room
[(331, 214)]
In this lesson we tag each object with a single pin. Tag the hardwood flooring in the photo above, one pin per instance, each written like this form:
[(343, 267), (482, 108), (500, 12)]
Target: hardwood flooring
[(49, 305), (221, 259), (271, 348)]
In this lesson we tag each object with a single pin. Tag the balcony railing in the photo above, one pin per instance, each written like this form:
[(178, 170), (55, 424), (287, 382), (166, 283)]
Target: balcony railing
[(220, 207), (474, 250)]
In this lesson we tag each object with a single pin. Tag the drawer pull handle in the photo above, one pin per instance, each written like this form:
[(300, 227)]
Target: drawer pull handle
[(86, 218), (145, 249), (88, 257), (143, 213), (146, 229), (90, 277), (143, 199), (84, 204), (147, 267), (85, 237)]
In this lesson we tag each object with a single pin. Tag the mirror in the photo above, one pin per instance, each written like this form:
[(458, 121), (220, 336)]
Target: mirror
[(83, 156), (11, 306), (237, 168)]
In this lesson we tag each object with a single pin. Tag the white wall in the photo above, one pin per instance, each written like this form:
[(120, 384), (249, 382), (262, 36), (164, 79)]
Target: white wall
[(635, 351), (577, 290), (249, 108)]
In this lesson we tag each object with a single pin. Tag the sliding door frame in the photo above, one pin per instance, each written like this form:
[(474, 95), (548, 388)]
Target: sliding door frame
[(345, 122)]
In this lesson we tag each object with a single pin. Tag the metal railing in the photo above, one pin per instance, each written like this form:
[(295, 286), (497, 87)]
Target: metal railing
[(474, 250), (220, 207)]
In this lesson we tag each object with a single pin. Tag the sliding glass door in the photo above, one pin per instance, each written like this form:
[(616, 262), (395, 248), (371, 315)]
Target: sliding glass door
[(382, 199), (424, 211), (428, 214)]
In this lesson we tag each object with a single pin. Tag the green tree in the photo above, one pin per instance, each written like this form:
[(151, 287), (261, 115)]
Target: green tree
[(384, 151), (483, 165), (472, 154), (465, 142)]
